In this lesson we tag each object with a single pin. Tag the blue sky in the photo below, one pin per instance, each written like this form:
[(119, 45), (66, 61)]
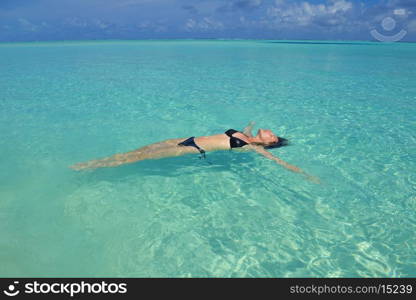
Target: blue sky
[(28, 20)]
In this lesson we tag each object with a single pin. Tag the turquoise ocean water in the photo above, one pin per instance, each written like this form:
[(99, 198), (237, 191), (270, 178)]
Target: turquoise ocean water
[(348, 108)]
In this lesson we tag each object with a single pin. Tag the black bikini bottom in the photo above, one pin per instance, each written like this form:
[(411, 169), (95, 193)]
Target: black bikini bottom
[(191, 142)]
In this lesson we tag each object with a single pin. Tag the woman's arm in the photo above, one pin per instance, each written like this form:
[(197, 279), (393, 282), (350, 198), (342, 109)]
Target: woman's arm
[(267, 154), (248, 129)]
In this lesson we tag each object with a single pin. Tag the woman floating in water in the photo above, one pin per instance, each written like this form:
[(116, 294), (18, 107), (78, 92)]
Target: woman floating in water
[(231, 139)]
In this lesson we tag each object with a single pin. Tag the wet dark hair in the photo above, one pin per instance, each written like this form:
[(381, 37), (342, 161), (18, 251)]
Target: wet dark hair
[(280, 143)]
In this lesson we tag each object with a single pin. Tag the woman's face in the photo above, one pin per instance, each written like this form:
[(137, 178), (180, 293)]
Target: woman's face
[(267, 136)]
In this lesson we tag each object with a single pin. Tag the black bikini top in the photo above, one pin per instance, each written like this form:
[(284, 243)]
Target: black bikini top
[(234, 141)]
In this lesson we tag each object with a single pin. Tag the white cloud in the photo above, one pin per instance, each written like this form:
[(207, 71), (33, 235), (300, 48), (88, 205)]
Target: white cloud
[(75, 22), (339, 6), (152, 26), (205, 24), (27, 25), (190, 24), (305, 13), (100, 24), (399, 12)]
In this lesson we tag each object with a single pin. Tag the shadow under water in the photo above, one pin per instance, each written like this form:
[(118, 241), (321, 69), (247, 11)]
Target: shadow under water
[(170, 167)]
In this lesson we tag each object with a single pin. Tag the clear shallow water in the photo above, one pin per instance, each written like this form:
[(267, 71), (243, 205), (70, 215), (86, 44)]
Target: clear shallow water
[(349, 110)]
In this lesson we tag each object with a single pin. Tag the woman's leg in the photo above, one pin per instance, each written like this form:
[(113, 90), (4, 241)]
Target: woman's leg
[(166, 148)]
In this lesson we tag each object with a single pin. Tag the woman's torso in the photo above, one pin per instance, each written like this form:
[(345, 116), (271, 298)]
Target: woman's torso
[(218, 141)]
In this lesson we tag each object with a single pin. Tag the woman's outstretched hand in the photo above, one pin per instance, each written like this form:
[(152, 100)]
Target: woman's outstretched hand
[(249, 128), (313, 179), (308, 177)]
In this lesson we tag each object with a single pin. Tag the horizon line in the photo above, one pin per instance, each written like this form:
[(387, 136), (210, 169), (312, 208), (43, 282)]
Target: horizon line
[(205, 39)]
